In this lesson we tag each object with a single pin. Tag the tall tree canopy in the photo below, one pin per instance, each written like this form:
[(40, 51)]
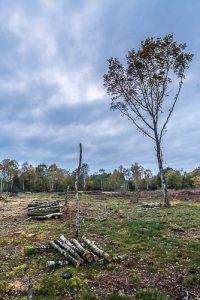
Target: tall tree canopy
[(141, 90)]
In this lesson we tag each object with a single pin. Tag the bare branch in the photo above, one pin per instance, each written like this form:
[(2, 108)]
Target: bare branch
[(171, 110)]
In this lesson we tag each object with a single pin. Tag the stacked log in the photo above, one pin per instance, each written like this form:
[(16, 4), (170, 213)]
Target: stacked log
[(151, 205), (98, 251), (77, 254), (44, 210), (59, 263)]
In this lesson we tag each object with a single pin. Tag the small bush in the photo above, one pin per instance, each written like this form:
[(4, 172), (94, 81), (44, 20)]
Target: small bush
[(30, 250)]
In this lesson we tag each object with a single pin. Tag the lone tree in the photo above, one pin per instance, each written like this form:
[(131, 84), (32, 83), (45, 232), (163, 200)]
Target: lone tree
[(141, 90)]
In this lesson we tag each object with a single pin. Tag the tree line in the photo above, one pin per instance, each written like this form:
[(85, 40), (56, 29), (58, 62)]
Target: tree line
[(44, 178)]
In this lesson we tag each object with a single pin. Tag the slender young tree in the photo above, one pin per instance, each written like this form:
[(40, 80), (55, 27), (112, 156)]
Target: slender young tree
[(141, 90), (147, 176), (76, 192), (137, 172)]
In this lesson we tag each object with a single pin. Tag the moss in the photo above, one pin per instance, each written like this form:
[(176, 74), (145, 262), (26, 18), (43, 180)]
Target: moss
[(20, 267), (10, 274), (4, 287), (49, 287), (76, 282)]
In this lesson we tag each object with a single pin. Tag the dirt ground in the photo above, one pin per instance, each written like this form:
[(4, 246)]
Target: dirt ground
[(162, 248)]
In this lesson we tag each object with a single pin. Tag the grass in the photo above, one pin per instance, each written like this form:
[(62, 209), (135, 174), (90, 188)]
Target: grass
[(163, 249)]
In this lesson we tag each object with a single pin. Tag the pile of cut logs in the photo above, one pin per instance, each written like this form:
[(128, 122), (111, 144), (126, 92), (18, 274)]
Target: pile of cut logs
[(44, 210), (77, 253), (150, 206)]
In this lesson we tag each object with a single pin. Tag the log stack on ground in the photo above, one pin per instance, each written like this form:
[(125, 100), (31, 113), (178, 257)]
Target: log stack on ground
[(146, 206), (76, 254), (44, 210), (151, 205)]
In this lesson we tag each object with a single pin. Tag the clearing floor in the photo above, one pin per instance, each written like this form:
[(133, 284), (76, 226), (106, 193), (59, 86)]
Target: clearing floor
[(162, 248)]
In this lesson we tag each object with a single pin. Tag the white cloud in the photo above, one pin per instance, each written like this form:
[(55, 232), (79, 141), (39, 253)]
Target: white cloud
[(95, 130), (13, 85), (35, 35), (38, 40)]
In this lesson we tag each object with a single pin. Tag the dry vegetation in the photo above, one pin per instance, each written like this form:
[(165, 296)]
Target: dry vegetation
[(162, 246)]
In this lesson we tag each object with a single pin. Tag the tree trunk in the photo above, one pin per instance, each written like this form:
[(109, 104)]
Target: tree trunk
[(12, 185), (23, 184), (1, 185), (161, 171), (84, 183), (67, 197), (101, 185), (52, 185), (76, 193), (136, 186)]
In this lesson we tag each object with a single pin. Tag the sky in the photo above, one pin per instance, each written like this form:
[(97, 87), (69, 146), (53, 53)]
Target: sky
[(53, 55)]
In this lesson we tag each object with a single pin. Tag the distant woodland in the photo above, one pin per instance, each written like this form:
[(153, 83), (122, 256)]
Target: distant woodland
[(44, 178)]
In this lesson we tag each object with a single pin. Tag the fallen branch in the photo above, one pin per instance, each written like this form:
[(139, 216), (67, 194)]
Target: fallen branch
[(49, 216)]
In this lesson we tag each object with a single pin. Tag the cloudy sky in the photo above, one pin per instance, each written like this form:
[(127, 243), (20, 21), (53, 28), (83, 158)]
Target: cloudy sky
[(52, 58)]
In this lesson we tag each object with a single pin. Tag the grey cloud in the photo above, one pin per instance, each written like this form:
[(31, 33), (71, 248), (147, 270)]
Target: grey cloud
[(53, 57)]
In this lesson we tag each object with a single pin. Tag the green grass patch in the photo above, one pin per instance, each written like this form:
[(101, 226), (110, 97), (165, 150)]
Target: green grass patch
[(151, 294)]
